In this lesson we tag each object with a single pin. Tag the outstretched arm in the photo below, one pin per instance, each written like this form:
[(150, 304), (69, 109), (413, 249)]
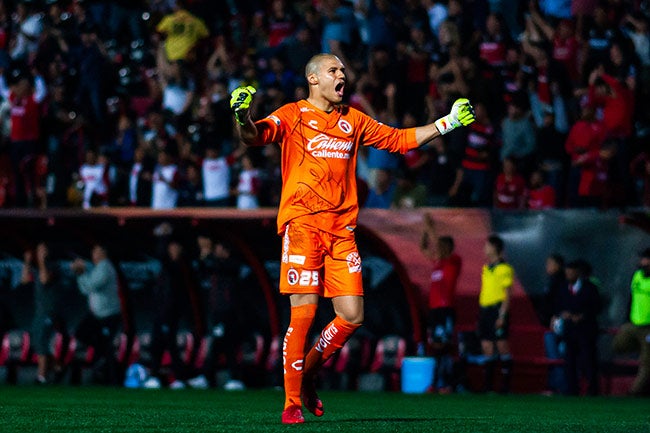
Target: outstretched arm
[(462, 114), (240, 102)]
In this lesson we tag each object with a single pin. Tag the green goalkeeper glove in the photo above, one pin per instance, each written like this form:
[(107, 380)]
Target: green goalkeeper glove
[(240, 101), (462, 114)]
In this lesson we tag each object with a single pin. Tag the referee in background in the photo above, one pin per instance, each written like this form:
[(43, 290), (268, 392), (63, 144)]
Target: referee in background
[(494, 301)]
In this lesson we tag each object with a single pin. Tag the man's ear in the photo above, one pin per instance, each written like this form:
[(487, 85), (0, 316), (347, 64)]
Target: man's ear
[(312, 79)]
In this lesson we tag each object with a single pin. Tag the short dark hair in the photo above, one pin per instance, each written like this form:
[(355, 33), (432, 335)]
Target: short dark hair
[(496, 242), (582, 266), (448, 241), (645, 254)]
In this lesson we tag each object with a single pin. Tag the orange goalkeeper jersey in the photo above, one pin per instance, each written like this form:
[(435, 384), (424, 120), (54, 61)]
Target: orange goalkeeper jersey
[(319, 161)]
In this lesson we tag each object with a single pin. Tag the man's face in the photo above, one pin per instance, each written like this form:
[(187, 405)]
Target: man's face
[(204, 242), (571, 274), (331, 79), (174, 249), (22, 88), (552, 266), (489, 250), (98, 254)]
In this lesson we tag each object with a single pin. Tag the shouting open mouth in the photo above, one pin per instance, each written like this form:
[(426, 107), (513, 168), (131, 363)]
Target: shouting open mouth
[(339, 88)]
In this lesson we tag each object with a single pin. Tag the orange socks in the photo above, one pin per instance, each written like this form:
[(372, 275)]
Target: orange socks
[(333, 337), (293, 351)]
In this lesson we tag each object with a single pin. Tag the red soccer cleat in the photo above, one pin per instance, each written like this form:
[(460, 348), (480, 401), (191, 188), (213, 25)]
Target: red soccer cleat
[(292, 415), (310, 398)]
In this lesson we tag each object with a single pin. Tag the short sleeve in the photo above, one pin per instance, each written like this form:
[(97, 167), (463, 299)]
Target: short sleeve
[(506, 276)]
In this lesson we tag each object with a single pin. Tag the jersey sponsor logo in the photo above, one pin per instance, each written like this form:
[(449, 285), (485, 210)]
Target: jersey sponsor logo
[(18, 111), (354, 262), (275, 119), (324, 146), (297, 259), (292, 277), (345, 126), (313, 123)]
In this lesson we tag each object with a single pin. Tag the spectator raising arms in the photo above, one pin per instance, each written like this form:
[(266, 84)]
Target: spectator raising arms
[(41, 271), (183, 31), (132, 73), (442, 315)]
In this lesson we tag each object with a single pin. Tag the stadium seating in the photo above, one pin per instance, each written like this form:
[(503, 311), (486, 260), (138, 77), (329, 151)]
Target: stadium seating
[(617, 371), (80, 359), (15, 353), (17, 357)]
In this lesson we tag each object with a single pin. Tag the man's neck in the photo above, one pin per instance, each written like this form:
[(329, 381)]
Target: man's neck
[(321, 103)]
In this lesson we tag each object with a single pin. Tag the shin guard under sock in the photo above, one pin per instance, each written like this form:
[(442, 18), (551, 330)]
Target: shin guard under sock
[(293, 351), (331, 339)]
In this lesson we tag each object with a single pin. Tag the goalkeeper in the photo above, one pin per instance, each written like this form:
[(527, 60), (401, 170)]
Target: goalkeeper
[(320, 140)]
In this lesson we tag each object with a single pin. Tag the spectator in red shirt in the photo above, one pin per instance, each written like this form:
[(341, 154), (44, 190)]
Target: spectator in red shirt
[(281, 23), (565, 44), (583, 146), (615, 101), (478, 156), (24, 95), (495, 39), (540, 195), (442, 317), (510, 187)]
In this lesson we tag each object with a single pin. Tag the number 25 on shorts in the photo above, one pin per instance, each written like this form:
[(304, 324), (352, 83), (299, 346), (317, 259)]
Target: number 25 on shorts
[(302, 278)]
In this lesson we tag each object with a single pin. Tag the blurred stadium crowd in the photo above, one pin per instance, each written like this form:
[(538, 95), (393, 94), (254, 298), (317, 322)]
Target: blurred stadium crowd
[(126, 102)]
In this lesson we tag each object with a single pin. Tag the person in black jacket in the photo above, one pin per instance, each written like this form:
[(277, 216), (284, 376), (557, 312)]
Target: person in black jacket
[(577, 320), (555, 284), (173, 300), (554, 345), (218, 273)]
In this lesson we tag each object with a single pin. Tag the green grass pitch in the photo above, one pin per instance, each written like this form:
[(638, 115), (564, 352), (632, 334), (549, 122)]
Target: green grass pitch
[(96, 409)]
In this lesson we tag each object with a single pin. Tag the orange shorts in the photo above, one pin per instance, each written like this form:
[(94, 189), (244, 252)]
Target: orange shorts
[(314, 261)]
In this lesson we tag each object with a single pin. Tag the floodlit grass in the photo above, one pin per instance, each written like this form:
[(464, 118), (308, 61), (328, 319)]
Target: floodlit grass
[(95, 409)]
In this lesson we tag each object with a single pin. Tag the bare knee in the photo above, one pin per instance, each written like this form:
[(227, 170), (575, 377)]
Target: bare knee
[(349, 308)]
